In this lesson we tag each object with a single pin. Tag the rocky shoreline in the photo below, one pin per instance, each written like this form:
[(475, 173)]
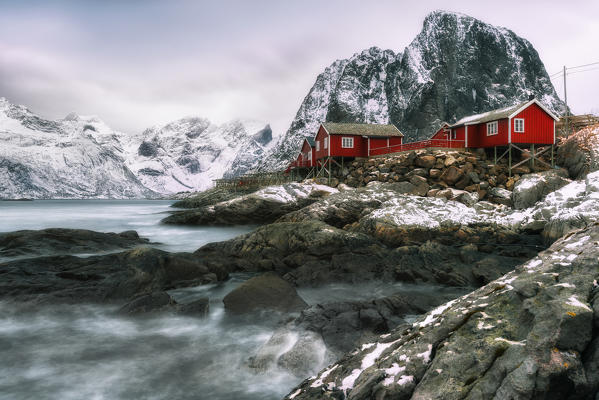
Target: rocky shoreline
[(514, 313)]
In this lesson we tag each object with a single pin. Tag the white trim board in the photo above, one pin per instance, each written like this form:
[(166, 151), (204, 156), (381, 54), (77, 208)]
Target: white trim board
[(538, 103)]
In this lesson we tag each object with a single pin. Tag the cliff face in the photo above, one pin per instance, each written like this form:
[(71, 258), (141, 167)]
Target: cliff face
[(456, 66)]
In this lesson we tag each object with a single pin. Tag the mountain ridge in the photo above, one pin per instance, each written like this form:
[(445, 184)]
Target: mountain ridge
[(456, 65)]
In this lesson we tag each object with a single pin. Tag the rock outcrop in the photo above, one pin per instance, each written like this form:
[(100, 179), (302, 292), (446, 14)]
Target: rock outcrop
[(106, 278), (571, 207), (263, 206), (65, 241), (530, 334), (534, 187), (312, 252), (579, 154)]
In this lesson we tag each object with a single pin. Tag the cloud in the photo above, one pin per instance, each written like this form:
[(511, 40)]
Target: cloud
[(141, 63)]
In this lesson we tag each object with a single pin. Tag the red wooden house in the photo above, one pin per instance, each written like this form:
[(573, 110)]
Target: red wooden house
[(443, 133), (341, 140), (306, 158), (528, 123)]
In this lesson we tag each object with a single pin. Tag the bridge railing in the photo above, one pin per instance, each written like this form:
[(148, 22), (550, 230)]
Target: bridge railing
[(424, 144)]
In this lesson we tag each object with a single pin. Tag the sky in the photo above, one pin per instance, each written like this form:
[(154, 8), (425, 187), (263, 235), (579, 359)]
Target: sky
[(140, 63)]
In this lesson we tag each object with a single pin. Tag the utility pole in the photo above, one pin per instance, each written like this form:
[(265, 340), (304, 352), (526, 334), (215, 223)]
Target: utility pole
[(566, 101)]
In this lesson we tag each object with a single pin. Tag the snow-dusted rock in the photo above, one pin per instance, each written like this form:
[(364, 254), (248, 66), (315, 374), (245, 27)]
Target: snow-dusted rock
[(527, 334), (262, 206), (579, 154), (575, 205), (533, 187)]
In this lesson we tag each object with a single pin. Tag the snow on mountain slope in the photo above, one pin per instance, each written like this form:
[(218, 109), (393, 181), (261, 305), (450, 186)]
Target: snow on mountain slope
[(189, 153), (456, 66), (81, 156), (59, 159)]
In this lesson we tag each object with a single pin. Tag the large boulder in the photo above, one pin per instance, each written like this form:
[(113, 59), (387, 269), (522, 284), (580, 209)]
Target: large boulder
[(529, 334), (451, 175), (267, 292), (571, 207), (533, 187), (579, 154)]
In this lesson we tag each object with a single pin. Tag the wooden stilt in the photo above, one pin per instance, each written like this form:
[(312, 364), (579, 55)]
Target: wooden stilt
[(510, 160), (495, 148), (330, 168), (552, 162), (532, 157)]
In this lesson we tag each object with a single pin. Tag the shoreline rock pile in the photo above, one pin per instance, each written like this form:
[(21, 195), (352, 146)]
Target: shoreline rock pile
[(436, 173)]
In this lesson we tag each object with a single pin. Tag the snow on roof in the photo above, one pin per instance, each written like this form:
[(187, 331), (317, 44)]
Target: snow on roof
[(506, 112), (333, 128), (489, 115)]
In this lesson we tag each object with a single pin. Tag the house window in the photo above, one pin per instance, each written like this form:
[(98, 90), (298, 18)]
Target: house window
[(326, 142), (310, 156), (318, 145), (492, 128), (519, 125), (347, 142), (454, 134)]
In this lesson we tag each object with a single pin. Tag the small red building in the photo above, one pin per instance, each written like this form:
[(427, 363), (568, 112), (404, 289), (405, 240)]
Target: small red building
[(354, 140), (306, 158), (528, 123), (443, 133)]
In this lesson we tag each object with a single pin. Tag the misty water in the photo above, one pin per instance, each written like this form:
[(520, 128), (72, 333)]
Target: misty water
[(88, 351)]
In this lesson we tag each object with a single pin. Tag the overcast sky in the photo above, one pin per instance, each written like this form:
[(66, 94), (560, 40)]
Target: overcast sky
[(140, 63)]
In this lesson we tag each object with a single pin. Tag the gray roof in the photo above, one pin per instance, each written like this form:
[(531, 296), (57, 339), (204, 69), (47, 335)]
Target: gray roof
[(490, 115), (311, 141), (334, 128)]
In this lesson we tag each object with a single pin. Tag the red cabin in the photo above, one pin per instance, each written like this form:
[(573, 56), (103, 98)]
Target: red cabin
[(525, 123), (443, 133), (354, 140)]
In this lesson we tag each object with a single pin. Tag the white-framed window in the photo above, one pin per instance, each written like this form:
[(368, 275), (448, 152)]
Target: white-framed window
[(310, 156), (326, 142), (318, 145), (519, 125), (454, 134), (347, 142), (492, 128)]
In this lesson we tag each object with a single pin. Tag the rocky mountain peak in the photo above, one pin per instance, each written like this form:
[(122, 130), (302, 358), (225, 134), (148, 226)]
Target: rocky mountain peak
[(456, 66)]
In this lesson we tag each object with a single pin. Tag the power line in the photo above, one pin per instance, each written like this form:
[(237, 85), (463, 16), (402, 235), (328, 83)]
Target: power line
[(585, 70), (585, 65)]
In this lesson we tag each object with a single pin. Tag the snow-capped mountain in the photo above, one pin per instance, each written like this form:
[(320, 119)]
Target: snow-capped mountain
[(82, 157), (189, 153), (40, 158), (456, 66)]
